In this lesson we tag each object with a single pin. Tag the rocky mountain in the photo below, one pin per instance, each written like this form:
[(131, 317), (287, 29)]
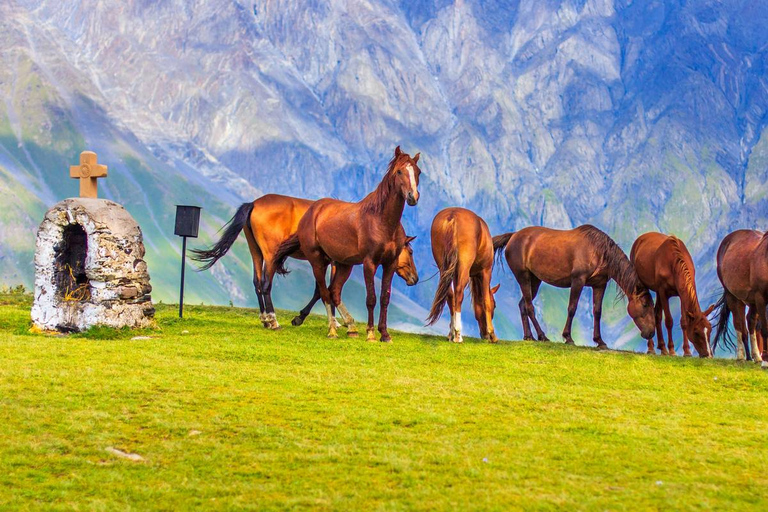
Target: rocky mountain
[(629, 115)]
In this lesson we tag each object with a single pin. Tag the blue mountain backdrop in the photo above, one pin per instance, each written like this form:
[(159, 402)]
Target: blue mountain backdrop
[(630, 115)]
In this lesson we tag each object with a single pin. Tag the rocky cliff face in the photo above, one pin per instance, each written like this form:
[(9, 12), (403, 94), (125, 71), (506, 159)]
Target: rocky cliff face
[(633, 116)]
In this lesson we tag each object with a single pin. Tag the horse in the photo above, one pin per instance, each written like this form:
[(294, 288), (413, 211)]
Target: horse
[(364, 233), (584, 256), (266, 222), (742, 267), (664, 265), (463, 250)]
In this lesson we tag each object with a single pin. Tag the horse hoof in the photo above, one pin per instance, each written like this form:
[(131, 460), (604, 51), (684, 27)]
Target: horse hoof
[(570, 342), (297, 321), (672, 353), (528, 338), (651, 352), (543, 338), (352, 334), (602, 346), (386, 339), (687, 354)]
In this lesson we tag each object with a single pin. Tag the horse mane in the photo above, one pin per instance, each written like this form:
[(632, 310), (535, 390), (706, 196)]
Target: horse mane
[(614, 259), (376, 200), (690, 282)]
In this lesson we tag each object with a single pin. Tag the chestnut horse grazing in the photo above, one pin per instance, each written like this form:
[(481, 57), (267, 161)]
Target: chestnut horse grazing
[(665, 266), (584, 256), (742, 267), (349, 234), (266, 222), (463, 250)]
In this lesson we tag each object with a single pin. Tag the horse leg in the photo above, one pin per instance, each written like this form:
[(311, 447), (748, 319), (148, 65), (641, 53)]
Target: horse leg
[(659, 314), (258, 270), (535, 284), (450, 309), (299, 319), (460, 282), (577, 284), (598, 292), (386, 291), (369, 270), (527, 335), (337, 283), (483, 311), (757, 355), (319, 269), (739, 323), (683, 327), (266, 289), (668, 323)]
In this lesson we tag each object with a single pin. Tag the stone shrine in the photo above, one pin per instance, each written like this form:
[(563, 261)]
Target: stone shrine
[(89, 262)]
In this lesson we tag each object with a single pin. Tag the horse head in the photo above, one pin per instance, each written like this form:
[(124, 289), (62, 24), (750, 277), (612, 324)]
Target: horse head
[(699, 331), (406, 267), (640, 308), (405, 172)]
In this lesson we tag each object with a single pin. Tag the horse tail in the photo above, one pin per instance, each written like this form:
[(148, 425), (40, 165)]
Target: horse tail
[(447, 273), (233, 228), (289, 246), (500, 243), (722, 331)]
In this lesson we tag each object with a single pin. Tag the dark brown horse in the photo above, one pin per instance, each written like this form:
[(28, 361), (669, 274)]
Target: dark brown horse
[(267, 222), (665, 266), (584, 256), (463, 250), (742, 267), (349, 234)]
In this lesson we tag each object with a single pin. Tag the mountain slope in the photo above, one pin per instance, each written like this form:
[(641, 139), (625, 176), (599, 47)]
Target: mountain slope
[(632, 116)]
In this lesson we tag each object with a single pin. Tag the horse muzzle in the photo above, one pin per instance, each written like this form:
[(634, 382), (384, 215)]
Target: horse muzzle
[(412, 280), (412, 199)]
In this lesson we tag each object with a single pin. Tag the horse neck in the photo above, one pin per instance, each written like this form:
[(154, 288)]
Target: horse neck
[(622, 271), (686, 286), (386, 206)]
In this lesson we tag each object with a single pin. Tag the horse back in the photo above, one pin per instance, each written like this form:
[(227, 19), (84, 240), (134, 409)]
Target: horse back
[(276, 217), (468, 233)]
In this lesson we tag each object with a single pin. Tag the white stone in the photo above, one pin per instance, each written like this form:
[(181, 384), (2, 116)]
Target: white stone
[(114, 265)]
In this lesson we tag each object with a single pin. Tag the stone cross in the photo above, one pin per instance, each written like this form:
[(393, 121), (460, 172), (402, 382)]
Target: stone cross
[(87, 172)]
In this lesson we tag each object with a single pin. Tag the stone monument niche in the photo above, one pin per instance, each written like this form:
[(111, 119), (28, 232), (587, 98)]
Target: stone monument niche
[(89, 262), (69, 277)]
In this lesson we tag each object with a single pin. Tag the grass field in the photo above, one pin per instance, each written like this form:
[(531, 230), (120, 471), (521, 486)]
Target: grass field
[(226, 415)]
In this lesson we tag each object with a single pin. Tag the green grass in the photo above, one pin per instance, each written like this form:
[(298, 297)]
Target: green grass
[(230, 416)]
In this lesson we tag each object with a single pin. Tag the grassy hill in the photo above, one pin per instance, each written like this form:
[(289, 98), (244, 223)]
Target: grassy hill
[(226, 415)]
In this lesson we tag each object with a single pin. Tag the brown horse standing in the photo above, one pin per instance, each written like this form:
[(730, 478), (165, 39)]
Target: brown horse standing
[(463, 250), (742, 267), (267, 222), (364, 233), (665, 266), (584, 256)]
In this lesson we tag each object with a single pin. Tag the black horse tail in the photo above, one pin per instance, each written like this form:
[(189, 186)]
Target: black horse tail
[(500, 243), (721, 331), (447, 274), (220, 248), (289, 246)]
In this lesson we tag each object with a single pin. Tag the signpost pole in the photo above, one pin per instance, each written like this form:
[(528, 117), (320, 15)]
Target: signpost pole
[(187, 224), (183, 265)]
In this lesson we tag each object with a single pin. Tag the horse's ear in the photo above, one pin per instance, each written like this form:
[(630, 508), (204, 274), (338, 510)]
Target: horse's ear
[(397, 151), (709, 310), (409, 239), (495, 289), (416, 158)]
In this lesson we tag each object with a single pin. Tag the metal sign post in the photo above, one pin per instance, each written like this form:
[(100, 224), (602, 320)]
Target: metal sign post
[(187, 225)]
